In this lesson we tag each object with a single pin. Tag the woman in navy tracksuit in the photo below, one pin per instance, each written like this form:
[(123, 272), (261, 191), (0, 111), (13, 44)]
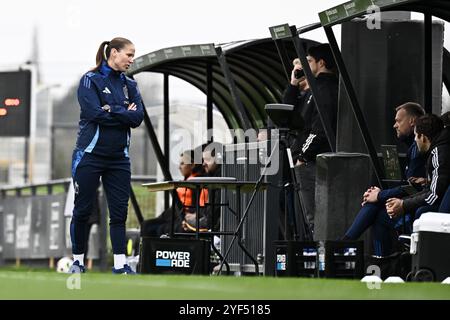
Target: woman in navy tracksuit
[(110, 105)]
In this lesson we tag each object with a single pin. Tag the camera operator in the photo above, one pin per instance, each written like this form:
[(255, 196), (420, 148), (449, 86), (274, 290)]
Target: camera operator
[(312, 140)]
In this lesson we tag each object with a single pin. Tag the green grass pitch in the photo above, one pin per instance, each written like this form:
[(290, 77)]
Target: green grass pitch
[(26, 284)]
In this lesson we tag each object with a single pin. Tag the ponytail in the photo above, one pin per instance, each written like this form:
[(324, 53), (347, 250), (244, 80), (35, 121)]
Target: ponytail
[(100, 55), (104, 50)]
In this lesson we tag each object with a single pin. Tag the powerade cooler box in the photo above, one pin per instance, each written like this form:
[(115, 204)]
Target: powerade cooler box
[(174, 256), (430, 247)]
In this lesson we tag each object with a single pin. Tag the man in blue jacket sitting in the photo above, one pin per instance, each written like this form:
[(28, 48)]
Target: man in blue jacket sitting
[(374, 199)]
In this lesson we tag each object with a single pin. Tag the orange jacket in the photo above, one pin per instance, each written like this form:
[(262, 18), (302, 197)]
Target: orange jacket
[(186, 196)]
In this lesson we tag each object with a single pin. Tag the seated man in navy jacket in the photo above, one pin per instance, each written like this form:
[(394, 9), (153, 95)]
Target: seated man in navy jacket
[(374, 199), (434, 141)]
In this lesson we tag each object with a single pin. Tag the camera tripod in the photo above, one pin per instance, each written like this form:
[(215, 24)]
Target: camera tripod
[(286, 158)]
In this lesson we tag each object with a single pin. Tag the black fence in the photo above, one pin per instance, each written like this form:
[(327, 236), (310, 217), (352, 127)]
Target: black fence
[(34, 227)]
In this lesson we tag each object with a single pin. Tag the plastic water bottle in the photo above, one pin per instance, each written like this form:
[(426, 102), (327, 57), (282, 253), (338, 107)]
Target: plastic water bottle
[(305, 254), (311, 263), (349, 265), (321, 254), (313, 252), (346, 254), (353, 253)]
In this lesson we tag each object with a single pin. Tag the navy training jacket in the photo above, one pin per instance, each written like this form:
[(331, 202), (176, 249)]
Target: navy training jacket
[(438, 169), (107, 133)]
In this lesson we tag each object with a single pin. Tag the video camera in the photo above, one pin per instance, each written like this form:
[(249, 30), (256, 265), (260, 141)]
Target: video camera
[(284, 116)]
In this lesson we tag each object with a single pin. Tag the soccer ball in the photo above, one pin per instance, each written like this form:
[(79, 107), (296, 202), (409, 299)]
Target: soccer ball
[(63, 265)]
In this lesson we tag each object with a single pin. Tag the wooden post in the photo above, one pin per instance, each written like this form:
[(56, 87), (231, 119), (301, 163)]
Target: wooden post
[(89, 264)]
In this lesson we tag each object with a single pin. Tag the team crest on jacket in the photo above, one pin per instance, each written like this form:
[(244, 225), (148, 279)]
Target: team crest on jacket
[(125, 91)]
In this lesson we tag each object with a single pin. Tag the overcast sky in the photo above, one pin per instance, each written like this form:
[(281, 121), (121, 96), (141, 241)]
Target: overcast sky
[(70, 32)]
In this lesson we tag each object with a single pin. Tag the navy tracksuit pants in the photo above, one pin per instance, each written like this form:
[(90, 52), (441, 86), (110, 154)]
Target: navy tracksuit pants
[(116, 176), (375, 215), (445, 204)]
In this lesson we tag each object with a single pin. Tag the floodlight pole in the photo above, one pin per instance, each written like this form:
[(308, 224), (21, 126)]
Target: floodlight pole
[(30, 141)]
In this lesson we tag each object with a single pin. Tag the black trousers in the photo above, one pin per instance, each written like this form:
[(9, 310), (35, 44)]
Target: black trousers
[(306, 178)]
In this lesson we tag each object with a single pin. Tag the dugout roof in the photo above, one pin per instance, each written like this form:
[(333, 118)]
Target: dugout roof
[(246, 75)]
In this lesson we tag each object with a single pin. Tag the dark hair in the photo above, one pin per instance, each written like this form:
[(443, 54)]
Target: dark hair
[(213, 148), (430, 125), (412, 109), (104, 50), (323, 52), (446, 118)]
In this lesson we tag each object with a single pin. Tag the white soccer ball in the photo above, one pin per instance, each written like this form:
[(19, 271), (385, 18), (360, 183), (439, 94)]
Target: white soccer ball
[(63, 265)]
